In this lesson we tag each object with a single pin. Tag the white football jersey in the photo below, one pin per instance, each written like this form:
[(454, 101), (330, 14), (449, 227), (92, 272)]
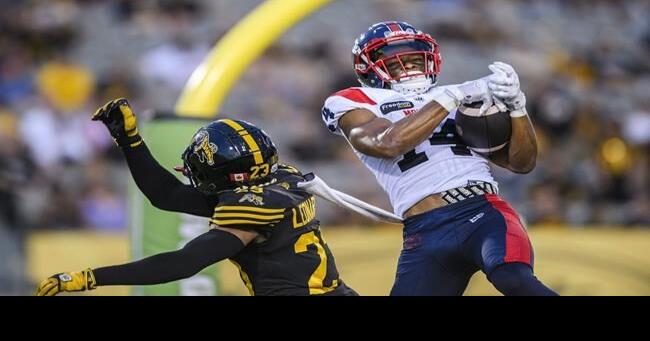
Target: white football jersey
[(439, 163)]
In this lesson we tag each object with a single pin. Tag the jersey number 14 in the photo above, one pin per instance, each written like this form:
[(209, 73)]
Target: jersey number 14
[(446, 135)]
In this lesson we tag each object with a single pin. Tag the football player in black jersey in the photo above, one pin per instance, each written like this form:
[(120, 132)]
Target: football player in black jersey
[(260, 219)]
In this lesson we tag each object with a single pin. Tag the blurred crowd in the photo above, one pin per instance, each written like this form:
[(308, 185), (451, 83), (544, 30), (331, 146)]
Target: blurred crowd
[(584, 66)]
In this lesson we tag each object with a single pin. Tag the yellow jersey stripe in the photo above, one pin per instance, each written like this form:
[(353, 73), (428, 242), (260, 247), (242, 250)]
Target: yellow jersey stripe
[(250, 208), (250, 141), (241, 222), (247, 215), (245, 278)]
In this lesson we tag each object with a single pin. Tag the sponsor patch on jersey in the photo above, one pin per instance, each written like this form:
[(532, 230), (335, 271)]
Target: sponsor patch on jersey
[(389, 107)]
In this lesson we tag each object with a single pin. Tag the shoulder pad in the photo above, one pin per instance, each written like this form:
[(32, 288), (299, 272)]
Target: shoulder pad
[(355, 94), (289, 169)]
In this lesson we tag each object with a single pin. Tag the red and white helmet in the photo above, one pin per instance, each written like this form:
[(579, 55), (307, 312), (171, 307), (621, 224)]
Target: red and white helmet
[(386, 43)]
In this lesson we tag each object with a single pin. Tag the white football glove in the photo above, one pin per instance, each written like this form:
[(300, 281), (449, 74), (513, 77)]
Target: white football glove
[(468, 92), (505, 87)]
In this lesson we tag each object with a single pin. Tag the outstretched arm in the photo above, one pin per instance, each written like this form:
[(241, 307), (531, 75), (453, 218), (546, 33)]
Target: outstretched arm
[(204, 250), (160, 186)]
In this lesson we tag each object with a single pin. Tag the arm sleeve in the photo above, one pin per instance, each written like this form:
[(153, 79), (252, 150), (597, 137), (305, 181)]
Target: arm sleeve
[(161, 187), (202, 251)]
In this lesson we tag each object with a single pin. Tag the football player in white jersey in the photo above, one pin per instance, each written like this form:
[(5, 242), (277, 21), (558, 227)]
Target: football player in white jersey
[(401, 126)]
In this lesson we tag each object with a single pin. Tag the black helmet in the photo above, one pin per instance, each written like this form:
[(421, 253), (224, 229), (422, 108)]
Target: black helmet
[(227, 154)]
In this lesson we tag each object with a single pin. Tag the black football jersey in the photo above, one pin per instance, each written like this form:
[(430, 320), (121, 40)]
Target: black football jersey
[(290, 257)]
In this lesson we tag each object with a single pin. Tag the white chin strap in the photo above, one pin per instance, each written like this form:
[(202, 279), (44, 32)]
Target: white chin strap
[(413, 85)]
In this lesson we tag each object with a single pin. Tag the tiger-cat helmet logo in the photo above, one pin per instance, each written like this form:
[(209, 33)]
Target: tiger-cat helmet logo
[(205, 149)]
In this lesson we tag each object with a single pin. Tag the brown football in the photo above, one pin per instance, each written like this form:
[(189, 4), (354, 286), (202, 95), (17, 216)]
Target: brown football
[(485, 133)]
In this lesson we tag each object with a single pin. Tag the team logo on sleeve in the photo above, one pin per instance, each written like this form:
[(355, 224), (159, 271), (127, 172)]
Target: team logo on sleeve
[(328, 115), (394, 106), (255, 199), (204, 148)]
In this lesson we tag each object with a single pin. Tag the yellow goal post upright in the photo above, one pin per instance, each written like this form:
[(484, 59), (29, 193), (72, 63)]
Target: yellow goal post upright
[(212, 80), (154, 231)]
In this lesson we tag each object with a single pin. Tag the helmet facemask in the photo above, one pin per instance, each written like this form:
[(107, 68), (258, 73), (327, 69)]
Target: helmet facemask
[(208, 181), (407, 63)]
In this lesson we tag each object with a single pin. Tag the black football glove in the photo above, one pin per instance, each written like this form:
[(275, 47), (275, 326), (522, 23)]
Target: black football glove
[(120, 121)]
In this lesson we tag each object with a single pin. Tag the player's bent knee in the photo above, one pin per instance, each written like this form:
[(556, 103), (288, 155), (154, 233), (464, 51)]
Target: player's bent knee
[(509, 279), (512, 278), (517, 279)]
